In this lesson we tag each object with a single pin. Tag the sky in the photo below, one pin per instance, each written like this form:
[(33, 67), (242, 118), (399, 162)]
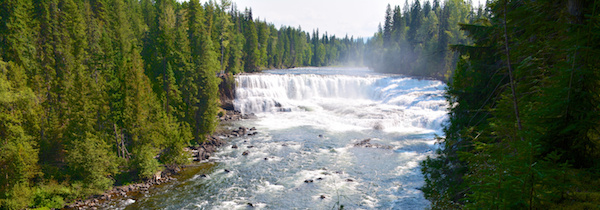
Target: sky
[(358, 18)]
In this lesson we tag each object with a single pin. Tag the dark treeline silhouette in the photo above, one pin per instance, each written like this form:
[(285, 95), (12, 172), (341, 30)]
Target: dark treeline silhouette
[(524, 111)]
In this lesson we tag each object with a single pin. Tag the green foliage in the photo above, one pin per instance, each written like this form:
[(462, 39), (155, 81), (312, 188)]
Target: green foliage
[(19, 156), (177, 138), (18, 197), (251, 51), (527, 143), (51, 195), (144, 162), (89, 160)]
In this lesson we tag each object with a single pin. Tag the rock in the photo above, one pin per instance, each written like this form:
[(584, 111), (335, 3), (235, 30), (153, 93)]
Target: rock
[(226, 170), (363, 143), (234, 146), (378, 126), (250, 146), (203, 176), (323, 196), (284, 145), (367, 144), (253, 129), (227, 92), (319, 178), (308, 181), (250, 205), (320, 135), (245, 153), (350, 180), (250, 116), (266, 158)]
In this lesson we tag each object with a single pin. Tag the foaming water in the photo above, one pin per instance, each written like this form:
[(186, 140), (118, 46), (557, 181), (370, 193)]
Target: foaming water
[(305, 154), (343, 102)]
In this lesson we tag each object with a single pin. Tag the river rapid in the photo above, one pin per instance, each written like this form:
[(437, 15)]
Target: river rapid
[(307, 153)]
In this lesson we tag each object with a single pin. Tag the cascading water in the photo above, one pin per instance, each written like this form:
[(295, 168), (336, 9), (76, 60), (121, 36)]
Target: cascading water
[(310, 151), (380, 102)]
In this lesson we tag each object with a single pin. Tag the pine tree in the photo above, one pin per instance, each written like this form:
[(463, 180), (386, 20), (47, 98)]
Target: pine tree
[(203, 97), (251, 51), (387, 26)]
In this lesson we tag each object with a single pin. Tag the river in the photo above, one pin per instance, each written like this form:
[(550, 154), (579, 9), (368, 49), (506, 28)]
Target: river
[(308, 154)]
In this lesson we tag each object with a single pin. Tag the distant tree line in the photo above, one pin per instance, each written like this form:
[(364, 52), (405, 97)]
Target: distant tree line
[(94, 92), (415, 39), (524, 117)]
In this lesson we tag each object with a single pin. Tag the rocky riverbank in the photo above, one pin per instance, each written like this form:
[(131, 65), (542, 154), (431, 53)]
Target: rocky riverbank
[(199, 153)]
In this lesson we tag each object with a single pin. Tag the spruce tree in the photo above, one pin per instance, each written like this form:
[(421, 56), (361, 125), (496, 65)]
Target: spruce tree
[(203, 87), (251, 51)]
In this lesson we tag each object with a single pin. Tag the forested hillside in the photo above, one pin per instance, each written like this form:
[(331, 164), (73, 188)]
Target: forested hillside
[(94, 92), (524, 117), (414, 39)]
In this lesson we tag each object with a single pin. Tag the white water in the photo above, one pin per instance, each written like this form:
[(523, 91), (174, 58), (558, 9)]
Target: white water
[(308, 122), (342, 103)]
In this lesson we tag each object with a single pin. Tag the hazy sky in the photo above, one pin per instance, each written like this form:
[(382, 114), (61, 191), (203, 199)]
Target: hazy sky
[(358, 18)]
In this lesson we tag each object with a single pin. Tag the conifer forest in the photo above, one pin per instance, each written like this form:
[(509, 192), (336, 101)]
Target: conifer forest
[(99, 93)]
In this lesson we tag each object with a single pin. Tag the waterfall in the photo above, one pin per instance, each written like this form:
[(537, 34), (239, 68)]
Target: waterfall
[(375, 101)]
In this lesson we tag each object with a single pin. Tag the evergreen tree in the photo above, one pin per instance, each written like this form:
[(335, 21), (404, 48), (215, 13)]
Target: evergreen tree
[(251, 51), (387, 27), (203, 100)]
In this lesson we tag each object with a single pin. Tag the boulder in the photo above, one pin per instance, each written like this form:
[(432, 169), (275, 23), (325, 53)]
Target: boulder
[(245, 153), (367, 144)]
